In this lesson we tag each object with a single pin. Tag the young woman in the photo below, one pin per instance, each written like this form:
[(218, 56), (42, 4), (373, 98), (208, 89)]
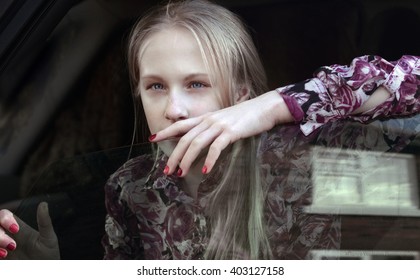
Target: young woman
[(219, 185)]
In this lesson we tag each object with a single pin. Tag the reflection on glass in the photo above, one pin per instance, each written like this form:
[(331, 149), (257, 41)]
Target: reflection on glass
[(363, 255), (363, 182)]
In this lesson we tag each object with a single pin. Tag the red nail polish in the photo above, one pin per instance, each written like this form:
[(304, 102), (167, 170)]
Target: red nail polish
[(3, 253), (166, 170), (152, 137), (11, 247), (204, 170), (179, 172), (14, 228)]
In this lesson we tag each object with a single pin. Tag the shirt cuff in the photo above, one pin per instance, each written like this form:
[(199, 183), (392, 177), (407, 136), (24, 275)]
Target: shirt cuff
[(293, 106), (406, 66)]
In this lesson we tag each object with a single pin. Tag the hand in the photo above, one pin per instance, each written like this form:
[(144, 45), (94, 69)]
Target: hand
[(20, 241), (216, 130)]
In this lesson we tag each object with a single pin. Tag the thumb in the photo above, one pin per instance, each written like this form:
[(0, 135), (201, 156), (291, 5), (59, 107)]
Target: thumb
[(45, 227)]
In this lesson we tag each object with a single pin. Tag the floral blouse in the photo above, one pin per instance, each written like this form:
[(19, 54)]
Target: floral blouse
[(151, 217)]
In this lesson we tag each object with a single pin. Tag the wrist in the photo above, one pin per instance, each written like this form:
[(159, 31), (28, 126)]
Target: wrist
[(289, 107)]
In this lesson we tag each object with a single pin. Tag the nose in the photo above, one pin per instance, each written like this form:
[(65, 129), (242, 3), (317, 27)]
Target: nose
[(176, 109)]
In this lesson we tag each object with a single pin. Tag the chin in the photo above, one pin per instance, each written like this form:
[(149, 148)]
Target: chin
[(167, 146)]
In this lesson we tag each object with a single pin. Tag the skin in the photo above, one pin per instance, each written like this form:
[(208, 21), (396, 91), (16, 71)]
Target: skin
[(174, 82), (219, 129), (174, 86)]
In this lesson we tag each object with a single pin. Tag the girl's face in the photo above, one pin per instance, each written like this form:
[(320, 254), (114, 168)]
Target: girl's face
[(174, 82)]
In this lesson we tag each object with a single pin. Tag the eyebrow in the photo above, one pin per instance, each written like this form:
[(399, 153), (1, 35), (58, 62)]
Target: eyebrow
[(189, 77)]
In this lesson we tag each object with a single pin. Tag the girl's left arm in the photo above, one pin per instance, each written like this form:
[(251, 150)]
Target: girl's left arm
[(370, 87)]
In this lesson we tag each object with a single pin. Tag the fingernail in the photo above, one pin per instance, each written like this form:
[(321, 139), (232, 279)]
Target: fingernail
[(204, 170), (14, 228), (166, 170), (3, 253), (179, 172), (11, 247), (152, 137)]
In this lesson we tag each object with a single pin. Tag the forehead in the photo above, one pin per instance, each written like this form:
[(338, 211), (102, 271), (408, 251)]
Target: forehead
[(172, 36), (170, 45)]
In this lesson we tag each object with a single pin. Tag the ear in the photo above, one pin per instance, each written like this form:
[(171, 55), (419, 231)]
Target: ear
[(242, 94)]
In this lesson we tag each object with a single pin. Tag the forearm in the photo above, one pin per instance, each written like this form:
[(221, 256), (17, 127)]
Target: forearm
[(279, 108)]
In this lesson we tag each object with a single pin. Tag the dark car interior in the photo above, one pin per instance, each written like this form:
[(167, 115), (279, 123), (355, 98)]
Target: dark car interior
[(67, 114)]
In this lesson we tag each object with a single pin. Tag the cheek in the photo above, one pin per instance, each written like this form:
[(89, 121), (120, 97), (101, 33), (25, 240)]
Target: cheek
[(205, 106), (153, 120), (153, 111)]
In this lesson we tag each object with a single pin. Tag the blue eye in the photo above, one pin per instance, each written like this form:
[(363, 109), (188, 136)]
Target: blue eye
[(197, 85), (157, 86)]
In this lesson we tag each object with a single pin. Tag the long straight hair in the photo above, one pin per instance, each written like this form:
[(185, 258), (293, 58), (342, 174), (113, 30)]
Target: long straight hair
[(235, 207)]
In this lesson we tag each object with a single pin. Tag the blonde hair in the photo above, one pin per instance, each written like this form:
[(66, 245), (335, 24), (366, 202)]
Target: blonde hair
[(235, 207)]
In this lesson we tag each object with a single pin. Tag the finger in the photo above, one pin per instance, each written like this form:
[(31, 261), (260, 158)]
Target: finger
[(182, 146), (216, 148), (177, 129), (3, 253), (8, 221), (17, 227), (46, 231), (6, 242), (199, 144)]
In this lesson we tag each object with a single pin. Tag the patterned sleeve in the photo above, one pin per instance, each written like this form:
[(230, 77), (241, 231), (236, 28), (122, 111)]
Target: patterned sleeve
[(336, 91)]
